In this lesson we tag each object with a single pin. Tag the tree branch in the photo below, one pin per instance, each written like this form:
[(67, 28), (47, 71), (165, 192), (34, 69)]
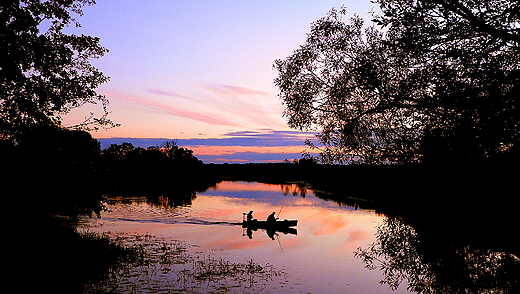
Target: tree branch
[(458, 8)]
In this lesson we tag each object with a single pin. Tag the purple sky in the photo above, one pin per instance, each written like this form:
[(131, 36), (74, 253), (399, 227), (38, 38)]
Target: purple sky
[(200, 70)]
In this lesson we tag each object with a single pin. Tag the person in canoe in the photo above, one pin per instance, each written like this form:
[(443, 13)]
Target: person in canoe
[(249, 216), (271, 218)]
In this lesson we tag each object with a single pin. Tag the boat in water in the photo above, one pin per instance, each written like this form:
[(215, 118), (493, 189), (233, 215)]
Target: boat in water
[(282, 226), (267, 224), (271, 225)]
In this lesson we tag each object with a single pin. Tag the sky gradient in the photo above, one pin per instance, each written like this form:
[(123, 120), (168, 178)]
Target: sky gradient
[(201, 72)]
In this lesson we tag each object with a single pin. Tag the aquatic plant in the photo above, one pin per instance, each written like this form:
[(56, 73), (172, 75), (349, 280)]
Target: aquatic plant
[(166, 266)]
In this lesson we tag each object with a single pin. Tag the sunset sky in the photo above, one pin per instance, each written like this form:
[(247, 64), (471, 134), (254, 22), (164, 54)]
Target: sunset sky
[(201, 72)]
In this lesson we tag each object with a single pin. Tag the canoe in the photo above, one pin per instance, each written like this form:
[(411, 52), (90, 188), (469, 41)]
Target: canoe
[(270, 225)]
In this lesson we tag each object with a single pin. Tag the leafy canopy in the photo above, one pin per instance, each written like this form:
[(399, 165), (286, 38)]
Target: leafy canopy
[(428, 80), (44, 72)]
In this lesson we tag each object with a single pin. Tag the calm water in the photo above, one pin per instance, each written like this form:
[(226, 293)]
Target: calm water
[(318, 259)]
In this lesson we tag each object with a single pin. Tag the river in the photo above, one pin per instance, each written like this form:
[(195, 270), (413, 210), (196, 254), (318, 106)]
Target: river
[(207, 251)]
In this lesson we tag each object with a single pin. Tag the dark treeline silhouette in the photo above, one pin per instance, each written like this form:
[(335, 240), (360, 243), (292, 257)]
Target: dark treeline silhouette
[(50, 180), (54, 175), (54, 170), (153, 171), (65, 171)]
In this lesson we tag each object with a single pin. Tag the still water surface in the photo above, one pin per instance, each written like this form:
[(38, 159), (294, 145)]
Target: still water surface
[(318, 259)]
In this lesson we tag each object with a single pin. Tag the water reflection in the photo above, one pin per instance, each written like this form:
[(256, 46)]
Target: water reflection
[(316, 258), (412, 249), (271, 232), (429, 266)]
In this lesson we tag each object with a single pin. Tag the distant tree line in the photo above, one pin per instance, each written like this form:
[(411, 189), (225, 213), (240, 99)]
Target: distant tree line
[(156, 170), (66, 172)]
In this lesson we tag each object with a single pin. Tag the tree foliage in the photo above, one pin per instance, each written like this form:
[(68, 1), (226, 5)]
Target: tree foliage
[(169, 153), (53, 171), (428, 80), (44, 72), (157, 170)]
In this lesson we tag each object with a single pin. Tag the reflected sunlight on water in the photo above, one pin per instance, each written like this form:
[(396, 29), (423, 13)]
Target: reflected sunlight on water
[(318, 259)]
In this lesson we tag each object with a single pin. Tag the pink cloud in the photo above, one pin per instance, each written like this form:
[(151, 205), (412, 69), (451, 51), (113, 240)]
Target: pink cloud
[(168, 93), (176, 111), (215, 104), (237, 101), (225, 89), (244, 91), (245, 102), (228, 89)]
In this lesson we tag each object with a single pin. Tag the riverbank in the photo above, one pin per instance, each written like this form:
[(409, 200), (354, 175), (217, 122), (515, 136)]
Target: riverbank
[(465, 204), (463, 219)]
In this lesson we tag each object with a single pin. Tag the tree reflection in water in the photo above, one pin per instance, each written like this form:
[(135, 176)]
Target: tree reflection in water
[(438, 267)]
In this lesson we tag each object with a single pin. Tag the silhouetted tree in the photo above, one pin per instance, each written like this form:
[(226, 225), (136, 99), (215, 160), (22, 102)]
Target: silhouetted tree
[(169, 153), (53, 171), (471, 65), (118, 151), (430, 81), (179, 154), (44, 72), (156, 170)]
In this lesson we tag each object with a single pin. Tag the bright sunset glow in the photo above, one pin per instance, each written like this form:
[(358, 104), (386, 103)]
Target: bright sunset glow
[(198, 69)]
